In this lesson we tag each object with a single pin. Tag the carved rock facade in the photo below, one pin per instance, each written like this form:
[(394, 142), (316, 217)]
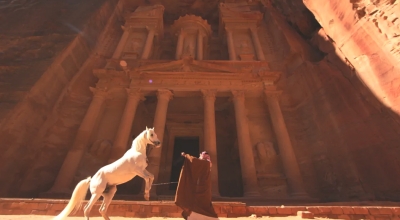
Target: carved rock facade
[(281, 106)]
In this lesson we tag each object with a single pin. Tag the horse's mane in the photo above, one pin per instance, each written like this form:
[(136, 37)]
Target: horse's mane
[(139, 142)]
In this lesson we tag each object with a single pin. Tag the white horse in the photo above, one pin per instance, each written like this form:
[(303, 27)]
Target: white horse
[(104, 182)]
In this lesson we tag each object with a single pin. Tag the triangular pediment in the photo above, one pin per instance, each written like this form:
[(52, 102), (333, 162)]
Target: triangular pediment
[(186, 65)]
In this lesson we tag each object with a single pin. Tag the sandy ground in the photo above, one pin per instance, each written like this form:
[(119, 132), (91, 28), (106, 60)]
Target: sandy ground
[(41, 217)]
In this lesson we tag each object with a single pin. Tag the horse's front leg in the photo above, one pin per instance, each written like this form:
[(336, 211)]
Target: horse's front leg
[(147, 184), (151, 179)]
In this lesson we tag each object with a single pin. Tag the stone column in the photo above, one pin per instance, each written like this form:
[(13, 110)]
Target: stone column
[(289, 161), (179, 45), (124, 129), (257, 44), (121, 45), (231, 45), (160, 117), (200, 37), (250, 183), (210, 139), (148, 44), (74, 155)]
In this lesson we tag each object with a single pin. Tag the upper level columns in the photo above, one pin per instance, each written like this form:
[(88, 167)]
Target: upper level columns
[(257, 44), (179, 45), (124, 129), (249, 176), (210, 140), (231, 45), (140, 29), (121, 44), (242, 46), (240, 21), (149, 43), (74, 156), (200, 45), (160, 117), (289, 161)]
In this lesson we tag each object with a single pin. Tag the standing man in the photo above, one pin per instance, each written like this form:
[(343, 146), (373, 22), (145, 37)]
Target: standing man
[(193, 194)]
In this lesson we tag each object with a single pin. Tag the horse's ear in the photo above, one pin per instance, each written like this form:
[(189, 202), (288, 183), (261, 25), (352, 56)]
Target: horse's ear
[(147, 128), (153, 128)]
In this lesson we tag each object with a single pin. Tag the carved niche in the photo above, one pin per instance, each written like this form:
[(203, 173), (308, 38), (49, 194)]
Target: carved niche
[(192, 34), (144, 27)]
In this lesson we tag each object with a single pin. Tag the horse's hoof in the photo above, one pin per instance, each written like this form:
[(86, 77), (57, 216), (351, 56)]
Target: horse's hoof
[(147, 197)]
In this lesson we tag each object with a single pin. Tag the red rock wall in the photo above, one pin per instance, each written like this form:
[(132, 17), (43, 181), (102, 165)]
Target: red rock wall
[(367, 32), (341, 106), (38, 131)]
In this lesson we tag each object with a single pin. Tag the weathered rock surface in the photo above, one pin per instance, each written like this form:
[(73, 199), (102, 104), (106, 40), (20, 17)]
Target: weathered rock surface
[(342, 112)]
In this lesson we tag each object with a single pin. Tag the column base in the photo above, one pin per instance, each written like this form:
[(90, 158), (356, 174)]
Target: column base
[(215, 196), (252, 194), (57, 193), (153, 196), (299, 195)]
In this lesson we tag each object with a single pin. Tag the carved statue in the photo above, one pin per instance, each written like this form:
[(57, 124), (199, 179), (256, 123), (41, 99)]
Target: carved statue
[(135, 45), (101, 148), (132, 51), (265, 151), (268, 158), (245, 48), (245, 51), (191, 31), (189, 49)]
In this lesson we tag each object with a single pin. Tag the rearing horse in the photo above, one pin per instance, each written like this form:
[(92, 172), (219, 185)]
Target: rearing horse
[(104, 182)]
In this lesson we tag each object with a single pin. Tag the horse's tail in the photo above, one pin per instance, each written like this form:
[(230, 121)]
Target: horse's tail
[(77, 197)]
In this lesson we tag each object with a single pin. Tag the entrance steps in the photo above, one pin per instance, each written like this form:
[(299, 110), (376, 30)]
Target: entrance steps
[(144, 209)]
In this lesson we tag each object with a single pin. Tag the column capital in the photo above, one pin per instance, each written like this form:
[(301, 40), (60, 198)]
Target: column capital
[(126, 28), (135, 93), (200, 33), (164, 94), (180, 32), (254, 29), (99, 92), (272, 93), (228, 30), (209, 94), (238, 95), (150, 28)]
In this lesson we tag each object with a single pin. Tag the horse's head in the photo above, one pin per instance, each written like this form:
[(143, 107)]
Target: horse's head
[(152, 138)]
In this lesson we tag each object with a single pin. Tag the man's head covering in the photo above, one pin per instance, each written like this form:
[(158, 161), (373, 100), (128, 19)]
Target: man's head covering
[(205, 155)]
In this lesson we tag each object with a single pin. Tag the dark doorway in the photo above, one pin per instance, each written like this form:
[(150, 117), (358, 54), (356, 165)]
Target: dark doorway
[(189, 145)]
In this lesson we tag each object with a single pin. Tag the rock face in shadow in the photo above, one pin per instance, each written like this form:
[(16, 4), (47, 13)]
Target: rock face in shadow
[(339, 62), (46, 71), (342, 112)]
